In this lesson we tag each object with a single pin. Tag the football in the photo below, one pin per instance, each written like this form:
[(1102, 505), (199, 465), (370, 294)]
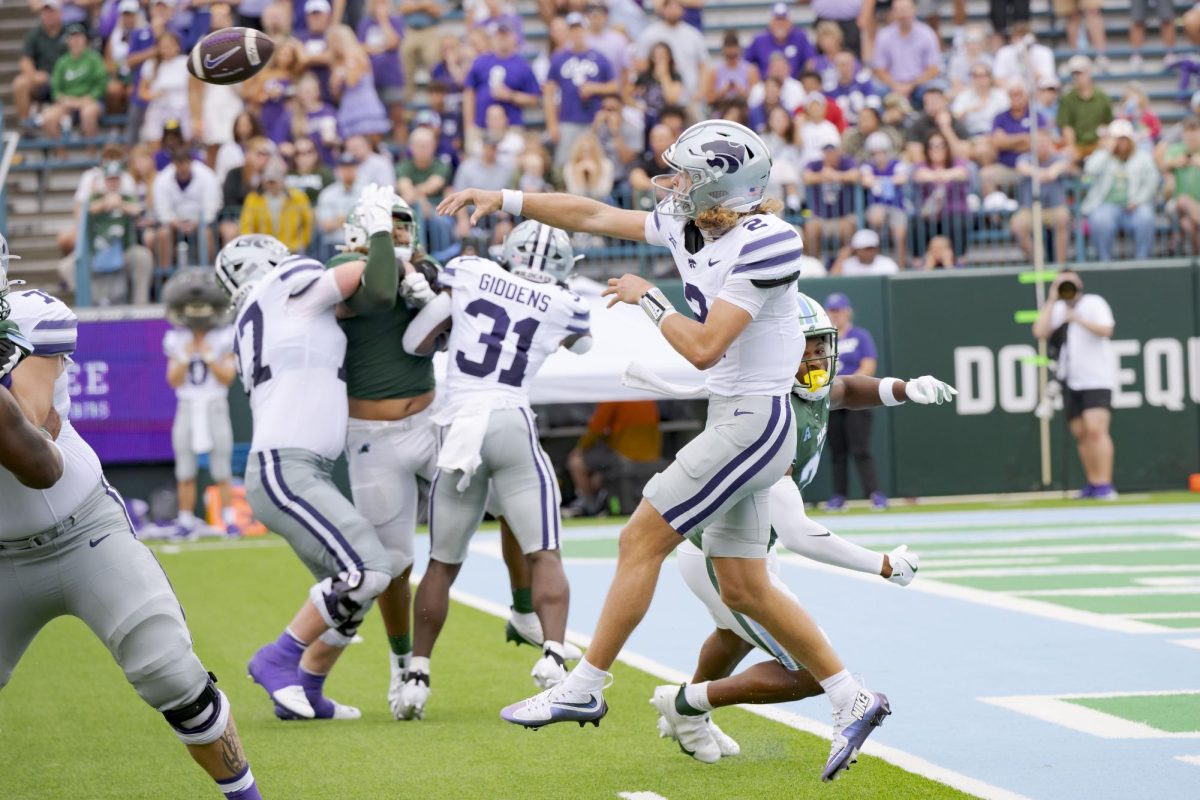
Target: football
[(230, 55)]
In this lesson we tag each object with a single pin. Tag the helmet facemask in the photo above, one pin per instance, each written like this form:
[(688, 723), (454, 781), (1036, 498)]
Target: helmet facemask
[(404, 221), (818, 367), (539, 253), (5, 257)]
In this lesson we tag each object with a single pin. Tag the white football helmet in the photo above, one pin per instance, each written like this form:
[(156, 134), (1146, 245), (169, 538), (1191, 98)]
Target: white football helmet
[(5, 257), (815, 323), (245, 260), (727, 166), (539, 253), (194, 300)]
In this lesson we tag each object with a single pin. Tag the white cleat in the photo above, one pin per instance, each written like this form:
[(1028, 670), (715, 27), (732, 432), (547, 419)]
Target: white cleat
[(904, 565), (548, 671), (399, 667), (852, 724), (292, 703), (557, 704), (527, 629), (725, 742), (692, 733), (414, 694)]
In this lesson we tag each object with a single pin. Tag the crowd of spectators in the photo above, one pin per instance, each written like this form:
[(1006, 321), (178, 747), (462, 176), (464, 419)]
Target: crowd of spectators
[(875, 125)]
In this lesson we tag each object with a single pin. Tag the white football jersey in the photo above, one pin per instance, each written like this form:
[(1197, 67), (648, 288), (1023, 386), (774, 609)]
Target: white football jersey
[(199, 383), (289, 356), (503, 327), (753, 266), (51, 327)]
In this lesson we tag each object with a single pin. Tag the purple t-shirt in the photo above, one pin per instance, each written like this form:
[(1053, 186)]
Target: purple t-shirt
[(796, 47), (831, 200), (319, 121), (823, 64), (388, 70), (885, 191), (314, 44), (906, 57), (570, 70), (852, 98), (1005, 121), (140, 40), (837, 9), (853, 346), (491, 70)]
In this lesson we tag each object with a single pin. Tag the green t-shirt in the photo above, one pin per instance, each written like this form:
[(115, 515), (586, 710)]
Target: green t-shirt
[(85, 76), (1085, 116), (377, 368), (1118, 195), (1187, 179), (111, 227), (44, 50), (407, 169)]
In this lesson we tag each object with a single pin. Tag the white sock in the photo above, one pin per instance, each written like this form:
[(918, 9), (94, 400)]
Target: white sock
[(696, 695), (841, 689), (229, 515), (585, 677), (419, 664), (186, 518), (526, 618)]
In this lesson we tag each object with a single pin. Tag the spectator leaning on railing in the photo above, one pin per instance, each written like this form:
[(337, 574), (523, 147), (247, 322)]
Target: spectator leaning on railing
[(187, 199), (1079, 329), (1124, 184), (831, 183), (1052, 167), (1010, 138), (884, 180), (862, 257)]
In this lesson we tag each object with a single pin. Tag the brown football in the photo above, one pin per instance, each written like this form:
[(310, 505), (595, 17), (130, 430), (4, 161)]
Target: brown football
[(230, 55)]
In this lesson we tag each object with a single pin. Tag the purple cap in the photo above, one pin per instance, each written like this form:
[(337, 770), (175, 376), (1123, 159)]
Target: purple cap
[(837, 302)]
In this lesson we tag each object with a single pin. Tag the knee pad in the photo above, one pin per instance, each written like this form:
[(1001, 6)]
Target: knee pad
[(344, 599), (203, 720)]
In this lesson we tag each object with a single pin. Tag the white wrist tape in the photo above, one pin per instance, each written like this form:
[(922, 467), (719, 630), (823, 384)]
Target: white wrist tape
[(511, 201), (657, 306), (887, 392)]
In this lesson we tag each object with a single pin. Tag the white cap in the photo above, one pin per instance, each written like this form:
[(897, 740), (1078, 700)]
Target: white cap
[(317, 7), (1079, 63), (128, 7), (878, 142), (863, 239), (1121, 128)]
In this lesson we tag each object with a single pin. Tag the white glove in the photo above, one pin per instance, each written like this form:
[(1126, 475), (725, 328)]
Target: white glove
[(904, 565), (374, 209), (928, 390), (415, 290)]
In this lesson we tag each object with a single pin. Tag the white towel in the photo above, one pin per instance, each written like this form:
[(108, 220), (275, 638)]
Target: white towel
[(639, 376), (463, 441), (202, 440)]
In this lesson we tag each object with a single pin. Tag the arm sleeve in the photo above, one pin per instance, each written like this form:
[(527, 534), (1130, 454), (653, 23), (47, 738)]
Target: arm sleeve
[(380, 280), (433, 316), (812, 540)]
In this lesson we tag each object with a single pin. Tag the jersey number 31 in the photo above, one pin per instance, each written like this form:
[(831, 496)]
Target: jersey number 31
[(514, 374)]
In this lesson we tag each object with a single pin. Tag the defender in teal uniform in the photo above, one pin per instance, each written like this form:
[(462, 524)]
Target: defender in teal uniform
[(685, 710)]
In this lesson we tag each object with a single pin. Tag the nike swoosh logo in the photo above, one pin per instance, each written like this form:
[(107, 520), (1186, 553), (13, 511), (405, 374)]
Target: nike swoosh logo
[(94, 542), (212, 63), (740, 413), (826, 533), (584, 706), (712, 262)]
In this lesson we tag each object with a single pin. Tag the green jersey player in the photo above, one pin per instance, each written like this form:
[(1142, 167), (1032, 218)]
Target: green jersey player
[(685, 710)]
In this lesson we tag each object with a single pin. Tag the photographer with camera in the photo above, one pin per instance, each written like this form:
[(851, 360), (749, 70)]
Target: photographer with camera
[(1079, 328)]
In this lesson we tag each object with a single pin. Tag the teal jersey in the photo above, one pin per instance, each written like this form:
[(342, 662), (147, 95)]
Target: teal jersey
[(812, 424)]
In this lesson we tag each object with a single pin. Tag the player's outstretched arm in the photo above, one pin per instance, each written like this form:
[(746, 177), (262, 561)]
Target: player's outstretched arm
[(701, 343), (858, 392), (425, 333), (557, 210), (371, 286), (24, 451)]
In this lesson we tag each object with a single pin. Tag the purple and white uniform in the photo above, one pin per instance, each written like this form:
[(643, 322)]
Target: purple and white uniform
[(719, 482)]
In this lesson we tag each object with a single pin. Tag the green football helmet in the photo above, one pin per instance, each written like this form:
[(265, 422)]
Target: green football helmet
[(822, 368), (403, 218)]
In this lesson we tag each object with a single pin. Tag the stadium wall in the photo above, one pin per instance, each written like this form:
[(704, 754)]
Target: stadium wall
[(960, 326)]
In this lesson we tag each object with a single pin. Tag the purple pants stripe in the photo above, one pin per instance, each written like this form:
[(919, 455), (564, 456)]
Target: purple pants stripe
[(537, 465), (317, 515), (742, 479), (281, 504), (674, 513), (432, 494)]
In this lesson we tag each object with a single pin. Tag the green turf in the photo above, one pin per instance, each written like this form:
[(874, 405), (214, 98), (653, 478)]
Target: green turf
[(71, 728), (1130, 604), (1021, 583), (1177, 713), (901, 506)]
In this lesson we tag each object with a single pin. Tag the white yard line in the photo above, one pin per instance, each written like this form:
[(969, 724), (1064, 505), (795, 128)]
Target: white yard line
[(1069, 569), (1119, 591), (1166, 615), (1056, 710), (1192, 643), (1193, 760), (899, 758), (640, 796), (936, 562)]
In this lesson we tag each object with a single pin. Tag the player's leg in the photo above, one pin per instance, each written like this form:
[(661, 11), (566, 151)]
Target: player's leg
[(120, 591), (185, 470), (454, 516), (291, 492), (523, 477), (1099, 444), (220, 461)]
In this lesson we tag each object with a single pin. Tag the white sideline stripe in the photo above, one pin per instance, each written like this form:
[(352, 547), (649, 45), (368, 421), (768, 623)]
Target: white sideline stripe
[(951, 534), (1083, 569), (640, 796), (899, 758), (1124, 591), (1168, 581), (1063, 549), (1057, 711), (946, 563), (1006, 602), (1192, 643), (1193, 760), (1166, 615)]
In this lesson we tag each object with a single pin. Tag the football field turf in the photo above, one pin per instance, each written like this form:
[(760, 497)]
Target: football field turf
[(70, 727)]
